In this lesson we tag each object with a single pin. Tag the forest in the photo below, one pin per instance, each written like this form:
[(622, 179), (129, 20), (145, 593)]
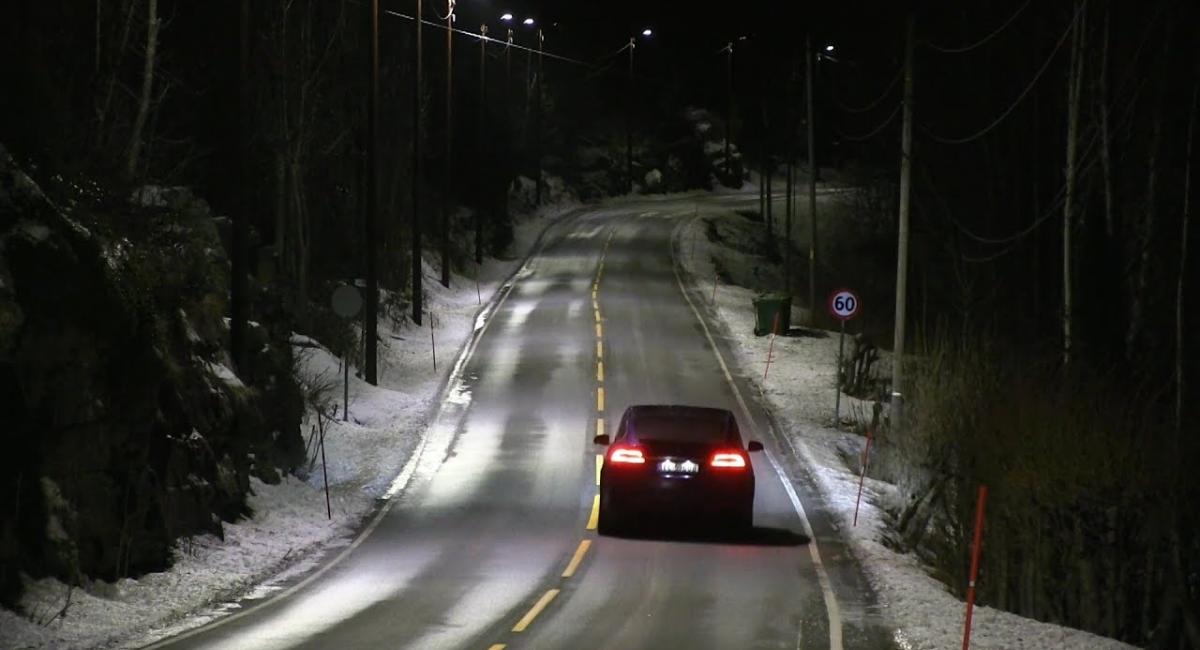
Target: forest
[(1047, 192)]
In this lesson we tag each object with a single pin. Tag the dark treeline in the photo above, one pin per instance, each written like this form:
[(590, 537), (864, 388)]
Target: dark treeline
[(79, 104), (1051, 296)]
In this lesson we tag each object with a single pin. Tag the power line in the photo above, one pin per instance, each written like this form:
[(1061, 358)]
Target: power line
[(489, 39), (875, 102), (875, 131), (985, 130), (959, 50)]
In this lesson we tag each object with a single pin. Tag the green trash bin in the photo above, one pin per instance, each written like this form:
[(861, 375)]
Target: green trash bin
[(766, 307)]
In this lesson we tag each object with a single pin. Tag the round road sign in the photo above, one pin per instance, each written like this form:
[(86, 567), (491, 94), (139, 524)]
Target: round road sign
[(347, 301), (844, 304)]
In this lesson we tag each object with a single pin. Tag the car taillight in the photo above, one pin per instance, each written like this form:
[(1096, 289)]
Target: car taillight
[(631, 455), (728, 459)]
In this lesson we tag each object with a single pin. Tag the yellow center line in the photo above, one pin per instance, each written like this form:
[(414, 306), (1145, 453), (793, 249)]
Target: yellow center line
[(600, 371), (599, 426), (599, 465), (537, 609), (599, 350), (577, 558), (597, 314), (595, 304), (600, 399), (497, 646), (594, 518), (599, 331)]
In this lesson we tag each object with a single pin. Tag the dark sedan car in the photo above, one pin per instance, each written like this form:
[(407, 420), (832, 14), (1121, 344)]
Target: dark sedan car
[(680, 460)]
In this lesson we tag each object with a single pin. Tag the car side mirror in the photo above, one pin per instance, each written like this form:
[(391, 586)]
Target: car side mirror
[(601, 439), (754, 446)]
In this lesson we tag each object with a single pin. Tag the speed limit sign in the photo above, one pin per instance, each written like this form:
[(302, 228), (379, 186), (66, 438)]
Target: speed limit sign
[(843, 304)]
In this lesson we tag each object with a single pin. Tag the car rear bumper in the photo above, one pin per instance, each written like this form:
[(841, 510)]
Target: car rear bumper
[(649, 492)]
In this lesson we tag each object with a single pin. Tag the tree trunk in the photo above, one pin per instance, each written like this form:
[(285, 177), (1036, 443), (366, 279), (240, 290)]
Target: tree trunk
[(139, 123), (1074, 93), (1183, 256), (1105, 132), (1144, 254), (110, 84)]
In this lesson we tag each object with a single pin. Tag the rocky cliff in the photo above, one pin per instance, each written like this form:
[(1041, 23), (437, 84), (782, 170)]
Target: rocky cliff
[(124, 427)]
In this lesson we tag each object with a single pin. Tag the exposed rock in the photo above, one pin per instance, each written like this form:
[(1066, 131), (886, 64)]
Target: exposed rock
[(127, 429)]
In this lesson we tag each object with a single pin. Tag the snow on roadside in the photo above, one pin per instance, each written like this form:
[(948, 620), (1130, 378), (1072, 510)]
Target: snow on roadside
[(799, 389), (289, 531)]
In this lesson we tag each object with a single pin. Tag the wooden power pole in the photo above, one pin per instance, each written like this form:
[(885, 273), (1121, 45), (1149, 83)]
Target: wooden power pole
[(447, 171), (812, 184), (417, 290), (902, 238), (372, 297)]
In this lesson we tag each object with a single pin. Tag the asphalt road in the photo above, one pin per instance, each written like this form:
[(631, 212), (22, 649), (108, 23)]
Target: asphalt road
[(492, 544)]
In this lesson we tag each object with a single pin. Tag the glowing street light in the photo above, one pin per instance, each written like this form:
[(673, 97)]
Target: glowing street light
[(647, 32), (528, 22), (506, 17), (828, 48)]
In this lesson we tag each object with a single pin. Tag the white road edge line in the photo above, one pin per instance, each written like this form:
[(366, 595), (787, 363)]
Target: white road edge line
[(831, 605), (401, 481)]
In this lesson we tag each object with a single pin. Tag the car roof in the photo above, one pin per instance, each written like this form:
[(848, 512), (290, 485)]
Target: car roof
[(680, 423)]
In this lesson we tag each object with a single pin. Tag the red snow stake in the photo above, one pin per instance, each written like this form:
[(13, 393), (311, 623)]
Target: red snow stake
[(979, 508), (865, 460), (771, 346)]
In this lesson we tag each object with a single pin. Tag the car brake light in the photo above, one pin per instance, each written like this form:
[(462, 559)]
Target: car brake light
[(630, 455), (727, 459)]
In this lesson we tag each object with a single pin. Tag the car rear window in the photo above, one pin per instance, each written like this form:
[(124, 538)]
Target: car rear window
[(662, 428)]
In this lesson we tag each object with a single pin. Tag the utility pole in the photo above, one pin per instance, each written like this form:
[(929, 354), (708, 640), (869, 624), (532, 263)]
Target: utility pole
[(371, 315), (728, 111), (902, 240), (506, 128), (629, 121), (789, 147), (484, 159), (238, 290), (537, 128), (447, 172), (417, 292), (768, 169), (812, 184)]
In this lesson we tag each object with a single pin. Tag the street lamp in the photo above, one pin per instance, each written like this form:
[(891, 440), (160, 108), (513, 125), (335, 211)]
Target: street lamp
[(728, 49), (528, 22), (506, 17), (646, 33), (447, 170)]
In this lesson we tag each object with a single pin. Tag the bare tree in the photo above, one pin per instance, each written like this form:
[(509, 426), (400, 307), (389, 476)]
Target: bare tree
[(1143, 254), (111, 78), (1074, 94), (139, 123), (302, 56), (1183, 256)]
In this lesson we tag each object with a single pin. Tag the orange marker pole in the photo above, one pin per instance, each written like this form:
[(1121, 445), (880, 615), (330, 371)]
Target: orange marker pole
[(980, 505), (866, 459), (771, 345)]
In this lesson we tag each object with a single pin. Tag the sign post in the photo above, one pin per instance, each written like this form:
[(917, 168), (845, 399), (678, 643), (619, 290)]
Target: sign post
[(347, 302), (843, 305)]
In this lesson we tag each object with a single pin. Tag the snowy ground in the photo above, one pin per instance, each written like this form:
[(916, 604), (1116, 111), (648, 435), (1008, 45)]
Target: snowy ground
[(290, 531), (799, 388)]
